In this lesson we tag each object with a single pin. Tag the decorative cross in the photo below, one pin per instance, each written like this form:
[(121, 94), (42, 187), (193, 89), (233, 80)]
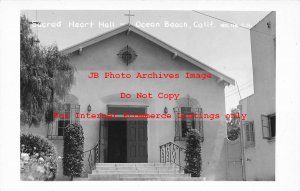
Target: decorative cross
[(129, 15)]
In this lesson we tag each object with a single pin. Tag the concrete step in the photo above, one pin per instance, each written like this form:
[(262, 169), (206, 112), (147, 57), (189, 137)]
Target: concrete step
[(137, 168), (135, 164), (135, 175), (149, 179), (138, 172)]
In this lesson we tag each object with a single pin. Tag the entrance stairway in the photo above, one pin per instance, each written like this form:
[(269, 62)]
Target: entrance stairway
[(138, 172)]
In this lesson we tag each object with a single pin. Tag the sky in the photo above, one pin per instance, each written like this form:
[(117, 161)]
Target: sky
[(227, 49)]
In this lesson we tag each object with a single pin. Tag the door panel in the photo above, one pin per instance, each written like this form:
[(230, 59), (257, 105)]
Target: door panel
[(234, 160), (103, 136), (117, 141), (137, 141)]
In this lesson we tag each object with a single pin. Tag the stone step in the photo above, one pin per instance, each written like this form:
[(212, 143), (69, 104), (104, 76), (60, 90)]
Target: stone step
[(144, 179), (149, 179), (137, 172), (136, 165), (135, 175), (138, 168)]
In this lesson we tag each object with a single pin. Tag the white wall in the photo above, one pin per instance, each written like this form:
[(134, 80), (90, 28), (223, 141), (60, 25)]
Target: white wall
[(99, 92), (260, 160)]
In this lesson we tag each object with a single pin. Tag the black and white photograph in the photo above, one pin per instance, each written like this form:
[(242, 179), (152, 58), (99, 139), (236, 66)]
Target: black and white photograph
[(141, 107), (142, 96)]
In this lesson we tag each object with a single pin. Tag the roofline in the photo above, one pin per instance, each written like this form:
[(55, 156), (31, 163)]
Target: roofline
[(158, 42), (93, 40), (262, 19), (248, 97)]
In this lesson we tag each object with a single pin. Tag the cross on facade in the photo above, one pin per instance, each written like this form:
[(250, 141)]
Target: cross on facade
[(129, 15)]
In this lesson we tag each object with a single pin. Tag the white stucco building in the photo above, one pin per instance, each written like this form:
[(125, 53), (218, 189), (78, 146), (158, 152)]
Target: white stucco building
[(130, 50), (260, 127)]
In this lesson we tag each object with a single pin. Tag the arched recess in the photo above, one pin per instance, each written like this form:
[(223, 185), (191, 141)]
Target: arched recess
[(67, 110), (187, 106)]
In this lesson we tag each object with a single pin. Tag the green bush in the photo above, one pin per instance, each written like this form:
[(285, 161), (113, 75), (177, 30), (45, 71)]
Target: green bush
[(38, 158), (73, 150), (193, 153)]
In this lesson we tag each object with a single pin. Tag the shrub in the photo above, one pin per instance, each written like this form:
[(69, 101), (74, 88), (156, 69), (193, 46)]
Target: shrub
[(73, 150), (38, 158), (193, 153)]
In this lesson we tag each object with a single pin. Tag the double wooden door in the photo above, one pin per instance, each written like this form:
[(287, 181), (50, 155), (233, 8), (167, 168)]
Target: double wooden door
[(136, 141)]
